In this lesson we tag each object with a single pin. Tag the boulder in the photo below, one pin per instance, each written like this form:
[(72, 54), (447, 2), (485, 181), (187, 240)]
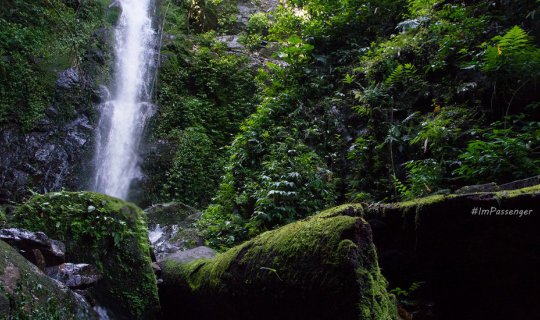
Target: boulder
[(102, 231), (476, 253), (35, 246), (26, 293), (324, 267), (172, 213)]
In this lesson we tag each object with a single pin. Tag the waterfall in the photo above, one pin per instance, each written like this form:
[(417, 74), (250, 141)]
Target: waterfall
[(123, 116)]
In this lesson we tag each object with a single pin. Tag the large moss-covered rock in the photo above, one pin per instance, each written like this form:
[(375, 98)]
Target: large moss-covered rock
[(106, 232), (27, 293), (324, 267), (477, 254)]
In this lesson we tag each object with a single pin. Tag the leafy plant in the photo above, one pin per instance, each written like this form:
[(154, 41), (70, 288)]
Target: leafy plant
[(501, 156)]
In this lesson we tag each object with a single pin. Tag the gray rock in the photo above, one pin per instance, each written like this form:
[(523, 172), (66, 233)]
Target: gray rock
[(171, 228), (488, 187), (190, 255), (519, 184), (75, 276), (35, 246), (68, 78)]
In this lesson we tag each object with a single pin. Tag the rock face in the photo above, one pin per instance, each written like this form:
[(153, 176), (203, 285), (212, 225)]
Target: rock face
[(106, 232), (324, 267), (474, 264), (26, 293), (52, 156)]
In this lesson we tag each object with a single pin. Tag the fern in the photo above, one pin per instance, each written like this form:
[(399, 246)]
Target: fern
[(513, 52), (402, 189), (400, 75), (515, 39)]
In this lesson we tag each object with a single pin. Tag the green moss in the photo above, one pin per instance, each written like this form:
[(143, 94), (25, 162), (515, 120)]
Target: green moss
[(518, 192), (334, 246), (103, 231), (2, 217), (422, 201)]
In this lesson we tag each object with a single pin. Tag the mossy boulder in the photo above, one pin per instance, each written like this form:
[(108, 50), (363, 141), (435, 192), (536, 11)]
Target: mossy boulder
[(324, 267), (172, 213), (27, 293), (471, 251), (106, 232)]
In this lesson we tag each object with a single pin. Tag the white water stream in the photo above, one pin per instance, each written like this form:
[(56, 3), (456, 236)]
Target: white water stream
[(124, 115)]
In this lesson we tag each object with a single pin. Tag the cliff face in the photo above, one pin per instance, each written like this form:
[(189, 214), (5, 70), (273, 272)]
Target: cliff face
[(57, 153)]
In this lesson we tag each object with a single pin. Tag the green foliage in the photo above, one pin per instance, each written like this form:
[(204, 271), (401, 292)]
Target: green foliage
[(459, 80), (364, 107), (287, 183), (501, 154), (37, 40), (424, 176), (513, 55), (194, 171), (406, 293), (256, 31), (200, 85)]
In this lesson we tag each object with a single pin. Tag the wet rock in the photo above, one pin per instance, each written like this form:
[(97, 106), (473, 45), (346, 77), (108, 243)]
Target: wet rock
[(128, 288), (169, 239), (51, 155), (35, 246), (190, 255), (171, 228), (23, 284), (68, 78), (75, 276)]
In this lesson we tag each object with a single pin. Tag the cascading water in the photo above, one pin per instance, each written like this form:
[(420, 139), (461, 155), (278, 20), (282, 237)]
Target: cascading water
[(124, 115)]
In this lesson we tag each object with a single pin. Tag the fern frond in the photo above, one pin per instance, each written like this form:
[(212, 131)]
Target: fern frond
[(400, 74), (515, 39)]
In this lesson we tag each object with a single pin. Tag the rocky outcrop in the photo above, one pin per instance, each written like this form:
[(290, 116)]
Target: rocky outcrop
[(475, 254), (36, 247), (26, 293), (57, 152), (324, 267), (102, 231)]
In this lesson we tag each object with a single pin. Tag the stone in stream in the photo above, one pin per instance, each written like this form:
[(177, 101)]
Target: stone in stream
[(324, 267), (171, 228), (75, 276)]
